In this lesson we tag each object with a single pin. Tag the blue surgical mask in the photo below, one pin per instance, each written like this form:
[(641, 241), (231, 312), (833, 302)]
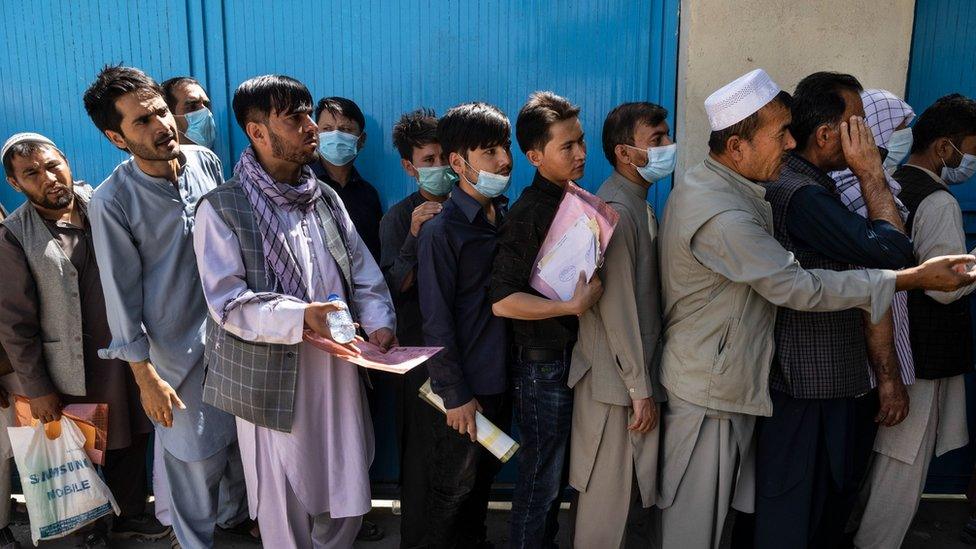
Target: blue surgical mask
[(490, 184), (338, 148), (201, 128), (660, 162), (899, 145), (436, 180), (962, 172)]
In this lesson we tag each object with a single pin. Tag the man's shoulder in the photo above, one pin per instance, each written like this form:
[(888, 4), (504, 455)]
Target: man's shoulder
[(116, 182)]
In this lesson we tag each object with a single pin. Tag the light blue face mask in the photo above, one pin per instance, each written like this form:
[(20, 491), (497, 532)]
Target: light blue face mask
[(436, 180), (490, 184), (660, 162), (338, 148), (962, 172), (899, 145), (201, 128)]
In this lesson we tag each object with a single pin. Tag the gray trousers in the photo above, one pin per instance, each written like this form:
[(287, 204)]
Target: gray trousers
[(195, 495)]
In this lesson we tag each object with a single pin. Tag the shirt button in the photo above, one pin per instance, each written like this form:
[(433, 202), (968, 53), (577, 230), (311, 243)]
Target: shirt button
[(290, 354), (74, 294)]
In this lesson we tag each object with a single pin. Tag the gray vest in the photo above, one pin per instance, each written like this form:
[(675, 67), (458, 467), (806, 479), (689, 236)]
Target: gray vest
[(256, 381), (57, 291)]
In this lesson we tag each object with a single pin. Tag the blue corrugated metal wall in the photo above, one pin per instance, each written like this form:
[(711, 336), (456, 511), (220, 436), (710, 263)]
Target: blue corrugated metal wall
[(390, 56), (943, 62)]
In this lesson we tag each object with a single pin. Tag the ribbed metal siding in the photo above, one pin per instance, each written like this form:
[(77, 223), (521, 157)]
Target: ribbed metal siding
[(943, 62)]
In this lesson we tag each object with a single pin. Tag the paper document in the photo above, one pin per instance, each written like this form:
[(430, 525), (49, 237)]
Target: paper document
[(398, 360), (578, 250), (489, 435)]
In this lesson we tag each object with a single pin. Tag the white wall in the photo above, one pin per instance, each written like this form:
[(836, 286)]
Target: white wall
[(723, 39)]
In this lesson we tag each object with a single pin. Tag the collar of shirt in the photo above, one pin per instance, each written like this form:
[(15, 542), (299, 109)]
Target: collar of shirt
[(803, 166), (323, 175), (746, 187), (931, 174), (546, 187), (620, 182), (471, 207), (137, 173)]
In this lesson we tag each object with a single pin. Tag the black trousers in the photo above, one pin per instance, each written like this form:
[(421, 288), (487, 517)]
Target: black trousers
[(811, 459), (461, 474), (126, 476), (415, 435)]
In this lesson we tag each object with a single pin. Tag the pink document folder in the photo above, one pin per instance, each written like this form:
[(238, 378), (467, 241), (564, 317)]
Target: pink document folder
[(575, 202)]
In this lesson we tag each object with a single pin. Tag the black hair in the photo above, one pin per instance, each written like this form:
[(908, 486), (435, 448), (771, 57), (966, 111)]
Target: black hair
[(819, 100), (952, 116), (337, 106), (113, 82), (414, 129), (618, 128), (747, 127), (169, 88), (256, 98), (24, 149), (542, 110), (471, 126)]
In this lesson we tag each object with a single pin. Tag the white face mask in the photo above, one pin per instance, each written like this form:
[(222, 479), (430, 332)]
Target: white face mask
[(962, 172), (899, 145)]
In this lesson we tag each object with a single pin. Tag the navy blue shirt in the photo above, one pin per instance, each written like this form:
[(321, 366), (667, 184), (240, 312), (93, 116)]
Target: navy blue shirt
[(817, 219), (362, 202), (455, 251)]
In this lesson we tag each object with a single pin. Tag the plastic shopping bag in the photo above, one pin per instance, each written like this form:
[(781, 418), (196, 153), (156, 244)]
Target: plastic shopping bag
[(62, 488)]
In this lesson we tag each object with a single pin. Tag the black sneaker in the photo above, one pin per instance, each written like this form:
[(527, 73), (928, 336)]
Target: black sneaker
[(968, 535), (370, 531), (7, 539), (92, 539), (142, 527)]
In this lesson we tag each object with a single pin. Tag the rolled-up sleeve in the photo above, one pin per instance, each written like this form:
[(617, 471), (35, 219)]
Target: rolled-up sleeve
[(120, 268), (436, 282), (820, 221), (736, 246)]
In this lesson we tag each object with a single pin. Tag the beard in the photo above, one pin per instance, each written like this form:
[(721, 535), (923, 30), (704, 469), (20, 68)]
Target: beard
[(151, 151), (282, 151), (48, 203)]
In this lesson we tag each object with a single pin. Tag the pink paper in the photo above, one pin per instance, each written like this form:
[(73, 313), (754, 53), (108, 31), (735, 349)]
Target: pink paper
[(398, 360), (576, 201)]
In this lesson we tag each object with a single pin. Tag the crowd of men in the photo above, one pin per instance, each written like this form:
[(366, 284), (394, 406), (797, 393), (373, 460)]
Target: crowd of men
[(789, 341)]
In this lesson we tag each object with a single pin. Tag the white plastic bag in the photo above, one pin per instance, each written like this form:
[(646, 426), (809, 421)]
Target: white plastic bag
[(62, 488)]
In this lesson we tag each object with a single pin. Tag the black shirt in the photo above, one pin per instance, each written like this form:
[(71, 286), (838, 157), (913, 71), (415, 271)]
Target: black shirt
[(455, 250), (398, 258), (361, 201), (519, 240)]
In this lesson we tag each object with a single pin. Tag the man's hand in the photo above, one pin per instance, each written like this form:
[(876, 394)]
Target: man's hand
[(461, 419), (157, 396), (894, 402), (384, 338), (644, 416), (316, 321), (421, 214), (586, 294), (861, 150), (46, 408), (942, 274)]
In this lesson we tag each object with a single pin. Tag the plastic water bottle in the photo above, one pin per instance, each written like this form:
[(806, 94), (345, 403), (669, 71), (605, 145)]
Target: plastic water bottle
[(340, 322)]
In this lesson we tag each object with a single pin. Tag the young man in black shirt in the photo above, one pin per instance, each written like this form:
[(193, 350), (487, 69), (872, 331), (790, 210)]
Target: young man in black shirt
[(415, 138), (549, 133)]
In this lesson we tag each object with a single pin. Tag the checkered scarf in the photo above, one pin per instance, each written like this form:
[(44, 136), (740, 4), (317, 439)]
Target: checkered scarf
[(263, 192), (883, 113)]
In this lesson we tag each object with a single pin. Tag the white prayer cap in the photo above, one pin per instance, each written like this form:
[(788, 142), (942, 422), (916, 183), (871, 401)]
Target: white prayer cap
[(25, 137), (735, 101)]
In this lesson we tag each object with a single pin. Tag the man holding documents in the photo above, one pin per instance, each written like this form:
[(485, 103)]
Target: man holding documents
[(272, 243), (455, 252), (616, 391), (723, 274), (549, 133)]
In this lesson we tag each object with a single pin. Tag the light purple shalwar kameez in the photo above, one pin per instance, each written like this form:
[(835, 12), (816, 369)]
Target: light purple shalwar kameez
[(310, 487)]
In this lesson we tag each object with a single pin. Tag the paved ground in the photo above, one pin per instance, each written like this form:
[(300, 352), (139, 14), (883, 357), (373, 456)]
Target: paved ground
[(936, 526)]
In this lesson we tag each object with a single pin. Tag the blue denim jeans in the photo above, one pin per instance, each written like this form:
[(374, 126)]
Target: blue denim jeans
[(543, 412)]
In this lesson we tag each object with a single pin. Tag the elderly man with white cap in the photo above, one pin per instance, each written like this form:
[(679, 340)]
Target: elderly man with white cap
[(53, 322), (723, 275)]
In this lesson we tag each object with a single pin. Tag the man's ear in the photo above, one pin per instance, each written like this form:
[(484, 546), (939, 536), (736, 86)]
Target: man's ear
[(362, 140), (13, 183), (733, 146), (534, 156), (255, 131), (116, 139), (622, 153), (408, 167), (456, 163), (822, 134)]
